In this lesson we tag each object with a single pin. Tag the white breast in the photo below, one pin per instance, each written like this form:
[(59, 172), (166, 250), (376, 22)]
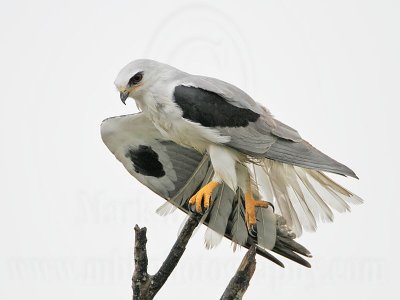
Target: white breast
[(167, 118), (188, 134)]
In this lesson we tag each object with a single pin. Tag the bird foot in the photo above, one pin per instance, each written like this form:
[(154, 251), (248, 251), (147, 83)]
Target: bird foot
[(250, 208), (203, 195)]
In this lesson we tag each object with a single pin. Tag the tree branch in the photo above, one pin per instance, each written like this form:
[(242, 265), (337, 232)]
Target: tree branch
[(146, 286), (241, 280), (140, 278)]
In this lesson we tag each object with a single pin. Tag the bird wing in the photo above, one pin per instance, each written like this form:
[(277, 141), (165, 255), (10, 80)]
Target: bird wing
[(175, 173), (252, 129), (156, 162)]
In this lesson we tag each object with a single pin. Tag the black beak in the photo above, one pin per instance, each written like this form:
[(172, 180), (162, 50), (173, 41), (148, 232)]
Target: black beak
[(123, 96)]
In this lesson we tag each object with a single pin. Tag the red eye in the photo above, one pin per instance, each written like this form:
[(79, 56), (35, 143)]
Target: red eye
[(135, 79)]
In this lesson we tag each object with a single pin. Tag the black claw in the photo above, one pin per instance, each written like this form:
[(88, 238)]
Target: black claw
[(192, 208), (253, 230), (273, 207)]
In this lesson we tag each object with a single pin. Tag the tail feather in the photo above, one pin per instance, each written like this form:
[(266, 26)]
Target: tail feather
[(320, 210), (303, 196), (350, 197), (281, 194), (310, 224)]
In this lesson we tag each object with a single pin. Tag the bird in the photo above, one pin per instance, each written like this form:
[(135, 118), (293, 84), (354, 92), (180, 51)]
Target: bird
[(175, 173), (251, 153)]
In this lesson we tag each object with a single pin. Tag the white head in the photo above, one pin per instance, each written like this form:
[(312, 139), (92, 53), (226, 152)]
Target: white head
[(138, 76)]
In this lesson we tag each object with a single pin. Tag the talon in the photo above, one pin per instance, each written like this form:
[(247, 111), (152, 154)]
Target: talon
[(253, 230), (203, 195), (250, 210)]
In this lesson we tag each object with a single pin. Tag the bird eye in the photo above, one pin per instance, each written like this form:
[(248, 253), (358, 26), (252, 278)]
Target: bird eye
[(135, 79)]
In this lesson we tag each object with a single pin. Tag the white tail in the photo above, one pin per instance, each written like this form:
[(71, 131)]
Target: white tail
[(303, 196)]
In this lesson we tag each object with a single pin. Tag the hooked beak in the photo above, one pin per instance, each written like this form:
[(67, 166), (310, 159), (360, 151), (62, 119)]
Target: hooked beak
[(124, 95)]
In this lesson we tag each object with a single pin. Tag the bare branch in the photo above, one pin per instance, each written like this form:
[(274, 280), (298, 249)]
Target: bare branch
[(146, 286), (140, 276), (241, 280)]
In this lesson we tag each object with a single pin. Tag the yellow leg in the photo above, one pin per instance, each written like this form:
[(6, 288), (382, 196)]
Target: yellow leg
[(250, 207), (204, 194)]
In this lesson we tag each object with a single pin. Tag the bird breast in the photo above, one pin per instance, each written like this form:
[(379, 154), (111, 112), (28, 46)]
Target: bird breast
[(187, 133)]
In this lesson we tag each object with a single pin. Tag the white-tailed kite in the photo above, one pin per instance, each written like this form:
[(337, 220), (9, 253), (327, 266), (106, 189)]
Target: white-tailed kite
[(176, 173), (247, 147)]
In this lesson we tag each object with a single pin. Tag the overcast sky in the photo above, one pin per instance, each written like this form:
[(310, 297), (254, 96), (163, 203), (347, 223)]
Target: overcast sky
[(330, 69)]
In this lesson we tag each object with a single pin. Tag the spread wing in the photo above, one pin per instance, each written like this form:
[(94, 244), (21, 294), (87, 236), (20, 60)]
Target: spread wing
[(154, 161), (251, 127), (176, 173)]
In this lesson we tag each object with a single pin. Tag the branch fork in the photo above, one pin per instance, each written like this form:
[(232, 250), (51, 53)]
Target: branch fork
[(146, 286)]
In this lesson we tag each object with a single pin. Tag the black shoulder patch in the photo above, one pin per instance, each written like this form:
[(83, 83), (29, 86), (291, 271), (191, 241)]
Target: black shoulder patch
[(145, 161), (211, 110)]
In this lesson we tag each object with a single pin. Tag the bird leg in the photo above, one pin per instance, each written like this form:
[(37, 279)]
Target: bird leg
[(204, 194), (250, 208)]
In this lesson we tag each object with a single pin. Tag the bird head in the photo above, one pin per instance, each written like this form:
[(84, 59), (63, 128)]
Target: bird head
[(137, 77)]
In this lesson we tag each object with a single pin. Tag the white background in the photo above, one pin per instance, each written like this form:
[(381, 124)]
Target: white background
[(328, 68)]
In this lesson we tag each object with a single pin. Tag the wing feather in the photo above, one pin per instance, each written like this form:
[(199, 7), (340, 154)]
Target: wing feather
[(238, 228), (264, 137), (266, 228), (219, 215)]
